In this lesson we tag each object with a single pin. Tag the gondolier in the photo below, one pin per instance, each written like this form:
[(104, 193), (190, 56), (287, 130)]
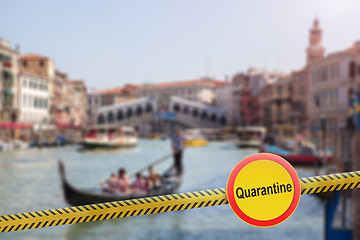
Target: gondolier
[(178, 145)]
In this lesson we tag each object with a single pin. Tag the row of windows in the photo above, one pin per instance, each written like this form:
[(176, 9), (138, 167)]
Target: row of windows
[(5, 58), (203, 115), (354, 69), (25, 63), (34, 102), (325, 73), (34, 84), (325, 98), (121, 115)]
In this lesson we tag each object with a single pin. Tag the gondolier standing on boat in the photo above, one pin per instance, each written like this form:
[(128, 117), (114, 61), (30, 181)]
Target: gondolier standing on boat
[(178, 146)]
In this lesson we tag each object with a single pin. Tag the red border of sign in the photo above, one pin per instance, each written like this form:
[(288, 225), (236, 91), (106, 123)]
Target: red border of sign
[(241, 165)]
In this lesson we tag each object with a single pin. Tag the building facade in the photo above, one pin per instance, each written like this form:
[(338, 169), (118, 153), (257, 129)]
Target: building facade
[(9, 100), (300, 84), (94, 103), (333, 79), (78, 102), (282, 100), (228, 98), (118, 94), (35, 70), (256, 96), (34, 99), (61, 108), (265, 105)]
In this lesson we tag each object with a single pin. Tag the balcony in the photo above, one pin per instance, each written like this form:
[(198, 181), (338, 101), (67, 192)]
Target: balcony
[(8, 91), (8, 83), (8, 99), (7, 64), (7, 74)]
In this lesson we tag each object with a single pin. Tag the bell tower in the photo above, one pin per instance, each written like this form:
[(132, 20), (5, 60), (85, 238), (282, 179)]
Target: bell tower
[(315, 50)]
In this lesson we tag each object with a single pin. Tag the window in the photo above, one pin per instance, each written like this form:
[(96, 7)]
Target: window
[(120, 115), (35, 102), (204, 115), (129, 113), (176, 108), (149, 108), (110, 117), (195, 113), (352, 69), (101, 119), (302, 90), (139, 111), (24, 63), (41, 63), (24, 82)]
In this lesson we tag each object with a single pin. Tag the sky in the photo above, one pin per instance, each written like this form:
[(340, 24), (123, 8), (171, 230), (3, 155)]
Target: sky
[(110, 43)]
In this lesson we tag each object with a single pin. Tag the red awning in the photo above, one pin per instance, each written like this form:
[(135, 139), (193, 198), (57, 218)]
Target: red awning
[(14, 125)]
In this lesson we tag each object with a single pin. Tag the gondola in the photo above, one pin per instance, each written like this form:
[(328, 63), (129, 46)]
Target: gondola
[(74, 196)]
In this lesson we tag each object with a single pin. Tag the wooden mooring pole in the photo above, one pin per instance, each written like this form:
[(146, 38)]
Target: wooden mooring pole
[(355, 150)]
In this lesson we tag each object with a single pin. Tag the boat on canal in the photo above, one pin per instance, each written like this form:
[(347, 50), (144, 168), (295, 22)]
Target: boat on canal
[(303, 155), (194, 138), (109, 137), (75, 196), (250, 136)]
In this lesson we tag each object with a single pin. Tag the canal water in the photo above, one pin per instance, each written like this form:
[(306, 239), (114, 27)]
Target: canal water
[(29, 181)]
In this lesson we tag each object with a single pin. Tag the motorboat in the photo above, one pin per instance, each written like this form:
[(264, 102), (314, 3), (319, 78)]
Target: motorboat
[(110, 137), (250, 136)]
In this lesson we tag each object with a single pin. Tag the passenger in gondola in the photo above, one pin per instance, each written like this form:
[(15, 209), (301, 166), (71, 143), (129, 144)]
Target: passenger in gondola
[(153, 180), (110, 184), (123, 181), (139, 184)]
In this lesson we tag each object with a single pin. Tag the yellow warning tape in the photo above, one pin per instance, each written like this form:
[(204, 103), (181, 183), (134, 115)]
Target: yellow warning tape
[(158, 204), (332, 182)]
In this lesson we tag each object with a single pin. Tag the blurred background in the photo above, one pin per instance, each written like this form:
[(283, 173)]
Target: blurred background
[(104, 85)]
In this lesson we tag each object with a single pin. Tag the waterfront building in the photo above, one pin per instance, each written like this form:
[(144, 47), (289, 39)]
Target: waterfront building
[(9, 101), (333, 79), (228, 98), (61, 107), (281, 100), (34, 98), (37, 70), (300, 87), (78, 102), (249, 106), (118, 94), (256, 96), (265, 105), (199, 90), (93, 104)]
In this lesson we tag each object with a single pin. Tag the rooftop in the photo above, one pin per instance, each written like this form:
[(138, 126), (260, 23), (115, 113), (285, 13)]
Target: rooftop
[(32, 56), (203, 81), (118, 90)]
